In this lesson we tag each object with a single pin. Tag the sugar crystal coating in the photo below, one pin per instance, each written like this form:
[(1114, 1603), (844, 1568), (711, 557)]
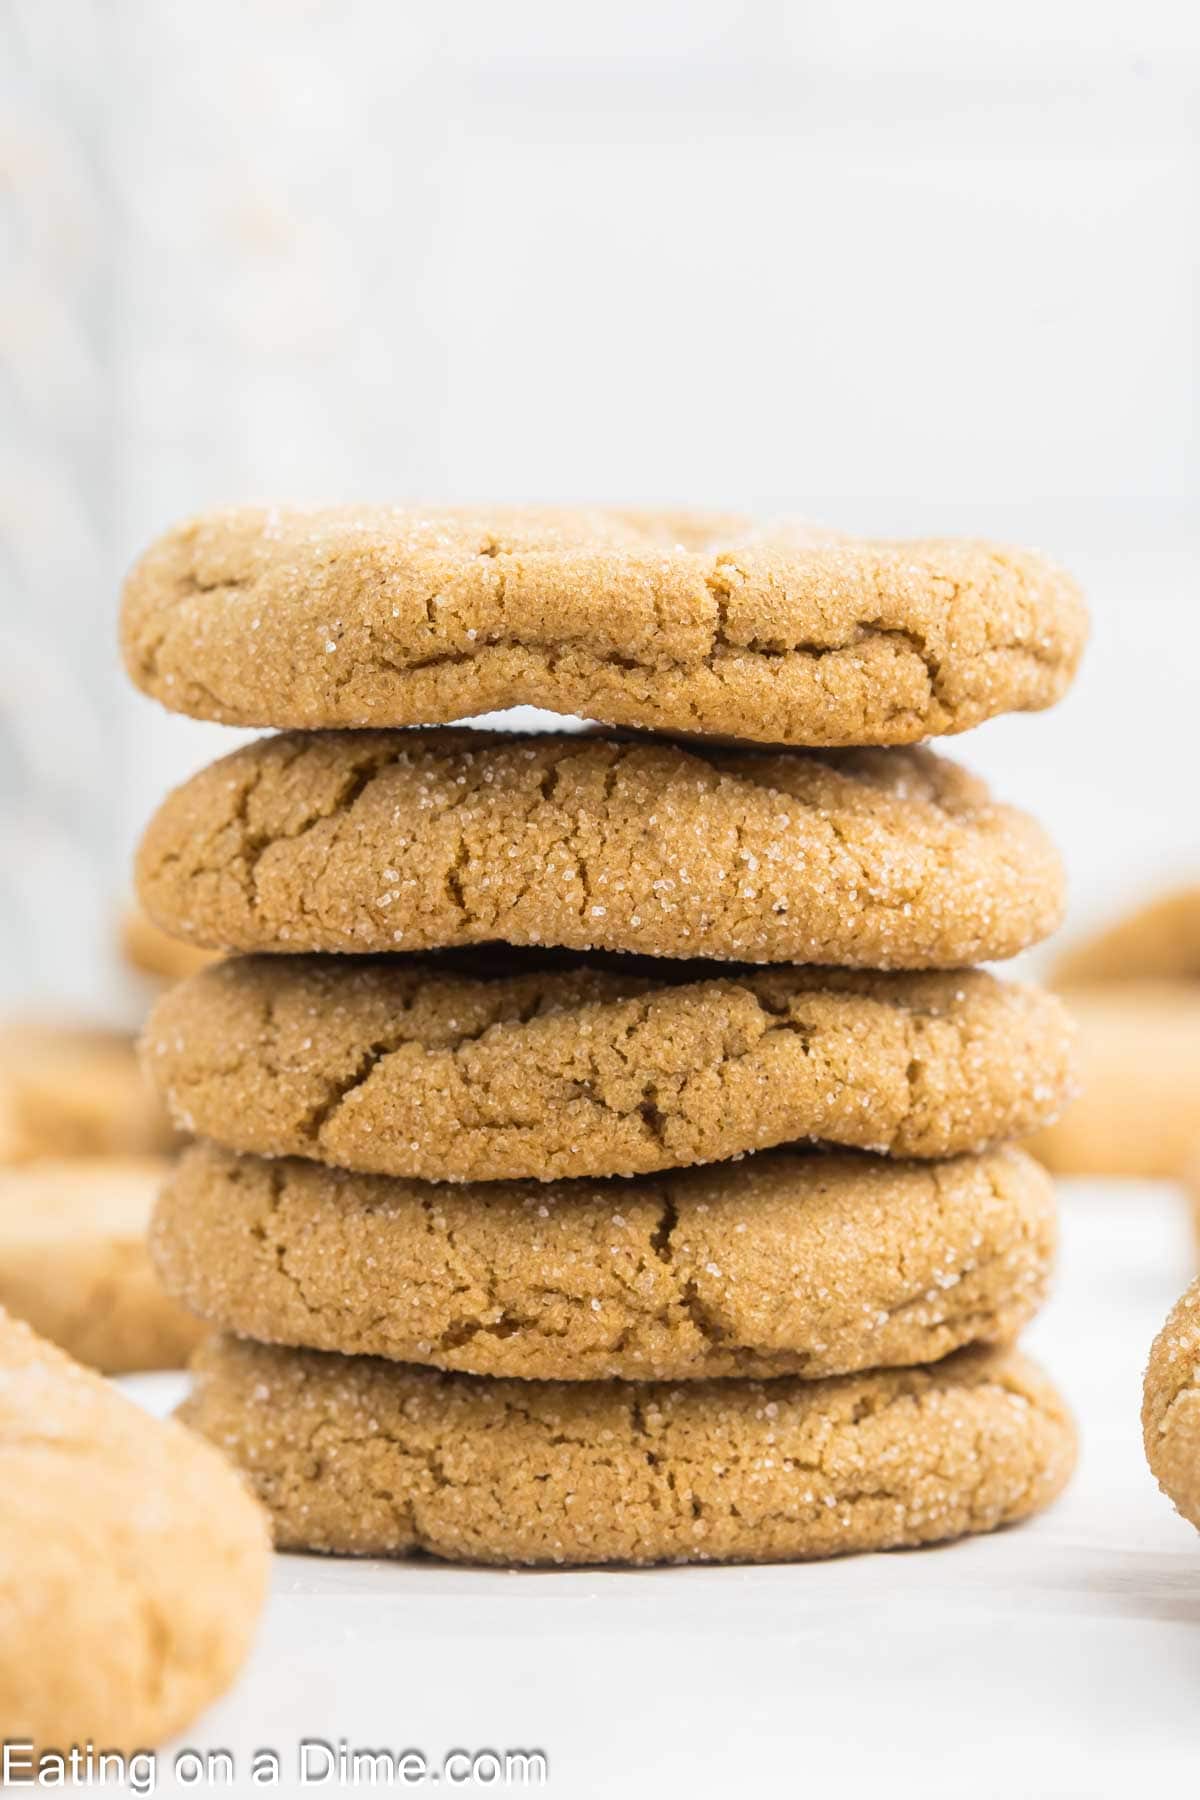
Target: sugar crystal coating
[(361, 1457), (492, 1067), (686, 622), (846, 1262), (867, 859)]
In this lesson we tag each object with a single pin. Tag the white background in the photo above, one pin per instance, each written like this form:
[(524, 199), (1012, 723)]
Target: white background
[(900, 268)]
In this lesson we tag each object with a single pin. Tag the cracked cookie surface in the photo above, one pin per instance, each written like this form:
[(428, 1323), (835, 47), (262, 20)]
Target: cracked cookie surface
[(385, 841), (1171, 1406), (74, 1263), (686, 622), (785, 1263), (133, 1562), (430, 1070), (361, 1457)]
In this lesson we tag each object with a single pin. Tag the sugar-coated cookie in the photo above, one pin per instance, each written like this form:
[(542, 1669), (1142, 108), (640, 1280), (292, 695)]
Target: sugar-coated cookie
[(360, 841), (133, 1562), (1171, 1406), (364, 1457), (74, 1262), (508, 1070), (683, 622), (780, 1264)]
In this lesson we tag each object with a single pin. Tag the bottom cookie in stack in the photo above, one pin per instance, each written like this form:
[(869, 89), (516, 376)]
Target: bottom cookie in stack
[(741, 1361), (358, 1456)]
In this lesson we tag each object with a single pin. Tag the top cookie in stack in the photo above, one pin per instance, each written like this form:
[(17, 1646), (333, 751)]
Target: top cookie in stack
[(552, 1000), (690, 623)]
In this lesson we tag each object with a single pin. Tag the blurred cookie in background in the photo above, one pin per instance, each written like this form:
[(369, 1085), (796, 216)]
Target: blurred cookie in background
[(75, 1090), (150, 952), (1159, 940), (1134, 990), (1138, 1112), (74, 1262)]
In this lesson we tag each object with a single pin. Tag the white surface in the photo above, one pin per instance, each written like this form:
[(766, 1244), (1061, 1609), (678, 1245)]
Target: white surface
[(1061, 1658)]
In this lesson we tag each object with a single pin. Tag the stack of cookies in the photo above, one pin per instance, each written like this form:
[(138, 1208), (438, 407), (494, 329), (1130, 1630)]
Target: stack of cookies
[(603, 1135)]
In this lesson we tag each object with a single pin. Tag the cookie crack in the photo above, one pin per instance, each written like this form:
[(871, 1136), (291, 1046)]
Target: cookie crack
[(255, 843)]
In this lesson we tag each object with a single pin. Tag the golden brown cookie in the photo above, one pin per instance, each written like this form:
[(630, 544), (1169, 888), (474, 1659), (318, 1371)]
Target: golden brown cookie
[(516, 1072), (414, 840), (75, 1090), (782, 1264), (74, 1263), (1138, 1112), (1171, 1406), (676, 622), (1159, 941), (363, 1457), (152, 952), (133, 1563)]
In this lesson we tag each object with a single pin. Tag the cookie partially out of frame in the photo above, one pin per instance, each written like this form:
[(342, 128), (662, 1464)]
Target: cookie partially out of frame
[(365, 841), (74, 1262), (685, 622), (515, 1071), (133, 1562), (781, 1264), (1171, 1406), (362, 1457)]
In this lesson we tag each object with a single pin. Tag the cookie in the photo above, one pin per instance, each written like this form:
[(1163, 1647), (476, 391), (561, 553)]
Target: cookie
[(75, 1090), (782, 1264), (518, 1072), (369, 1458), (1171, 1406), (687, 622), (1157, 941), (151, 952), (133, 1563), (1138, 1111), (414, 840), (74, 1263)]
